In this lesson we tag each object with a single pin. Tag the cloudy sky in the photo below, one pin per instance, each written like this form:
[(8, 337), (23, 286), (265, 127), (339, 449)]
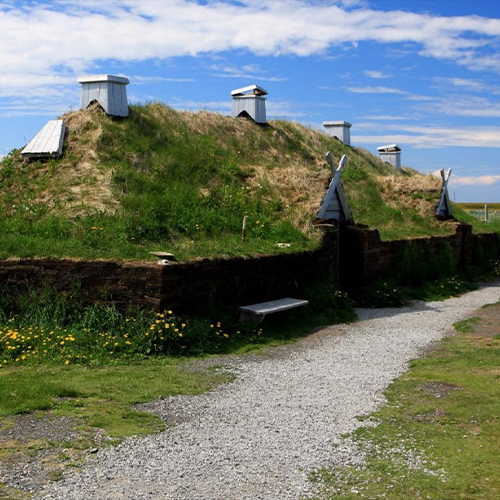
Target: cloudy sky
[(423, 74)]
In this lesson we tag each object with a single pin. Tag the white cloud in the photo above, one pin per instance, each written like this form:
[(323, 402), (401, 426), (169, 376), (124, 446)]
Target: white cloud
[(45, 45), (483, 180), (460, 105), (385, 117), (461, 83), (375, 90), (430, 137), (143, 80), (91, 30), (378, 75), (253, 71)]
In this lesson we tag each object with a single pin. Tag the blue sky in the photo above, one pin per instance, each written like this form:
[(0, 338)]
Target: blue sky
[(423, 74)]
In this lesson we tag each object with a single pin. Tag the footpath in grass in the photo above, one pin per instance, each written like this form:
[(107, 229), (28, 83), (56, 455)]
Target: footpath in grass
[(439, 435)]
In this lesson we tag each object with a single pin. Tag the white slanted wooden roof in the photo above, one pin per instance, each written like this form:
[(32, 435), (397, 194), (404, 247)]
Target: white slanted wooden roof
[(251, 89), (48, 143), (389, 148)]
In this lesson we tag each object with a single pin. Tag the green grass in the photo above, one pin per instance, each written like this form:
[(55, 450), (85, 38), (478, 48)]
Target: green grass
[(102, 396), (45, 327), (461, 212), (467, 325), (438, 436), (182, 182)]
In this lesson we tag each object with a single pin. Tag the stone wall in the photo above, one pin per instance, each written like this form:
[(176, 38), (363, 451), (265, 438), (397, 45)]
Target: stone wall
[(202, 284), (93, 281), (365, 257), (184, 287)]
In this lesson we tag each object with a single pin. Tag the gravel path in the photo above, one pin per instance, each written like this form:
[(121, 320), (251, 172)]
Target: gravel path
[(261, 436)]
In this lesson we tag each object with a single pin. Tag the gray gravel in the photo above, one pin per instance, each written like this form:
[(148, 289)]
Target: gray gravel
[(261, 436)]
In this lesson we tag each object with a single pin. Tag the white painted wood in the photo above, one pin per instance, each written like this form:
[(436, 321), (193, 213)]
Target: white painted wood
[(388, 148), (108, 90), (444, 207), (334, 206), (250, 105), (249, 101), (391, 157), (391, 153), (340, 129), (254, 89), (48, 143), (257, 312)]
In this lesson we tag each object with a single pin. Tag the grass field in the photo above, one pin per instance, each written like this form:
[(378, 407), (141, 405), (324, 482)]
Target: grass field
[(479, 206)]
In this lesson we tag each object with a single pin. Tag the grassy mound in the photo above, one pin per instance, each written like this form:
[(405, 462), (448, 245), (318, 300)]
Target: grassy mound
[(182, 182)]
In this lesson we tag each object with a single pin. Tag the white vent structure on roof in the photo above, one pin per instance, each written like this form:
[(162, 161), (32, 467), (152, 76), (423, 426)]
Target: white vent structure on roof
[(341, 130), (108, 90), (250, 102), (48, 143), (391, 153)]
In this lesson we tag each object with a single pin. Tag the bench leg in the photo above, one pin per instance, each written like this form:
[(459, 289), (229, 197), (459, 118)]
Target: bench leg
[(250, 317)]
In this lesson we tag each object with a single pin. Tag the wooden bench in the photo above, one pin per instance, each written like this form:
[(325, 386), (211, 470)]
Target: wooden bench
[(255, 313)]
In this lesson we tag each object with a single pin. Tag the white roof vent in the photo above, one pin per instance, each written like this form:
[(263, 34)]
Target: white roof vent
[(341, 130), (391, 153), (108, 90), (250, 102), (390, 148)]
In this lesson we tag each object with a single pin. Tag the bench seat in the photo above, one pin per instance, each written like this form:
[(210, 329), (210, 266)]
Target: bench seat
[(257, 312)]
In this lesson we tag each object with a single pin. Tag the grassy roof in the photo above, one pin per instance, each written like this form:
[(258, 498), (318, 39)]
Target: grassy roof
[(182, 182)]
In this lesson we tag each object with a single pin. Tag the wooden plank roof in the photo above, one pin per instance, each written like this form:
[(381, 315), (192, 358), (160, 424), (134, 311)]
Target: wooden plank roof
[(250, 89), (48, 143), (390, 148)]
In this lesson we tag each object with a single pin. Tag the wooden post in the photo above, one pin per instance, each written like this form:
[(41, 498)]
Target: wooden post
[(486, 213), (244, 229)]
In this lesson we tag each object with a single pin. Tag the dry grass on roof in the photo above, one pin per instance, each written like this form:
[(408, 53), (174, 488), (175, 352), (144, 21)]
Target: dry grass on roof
[(418, 192), (79, 179), (299, 189)]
